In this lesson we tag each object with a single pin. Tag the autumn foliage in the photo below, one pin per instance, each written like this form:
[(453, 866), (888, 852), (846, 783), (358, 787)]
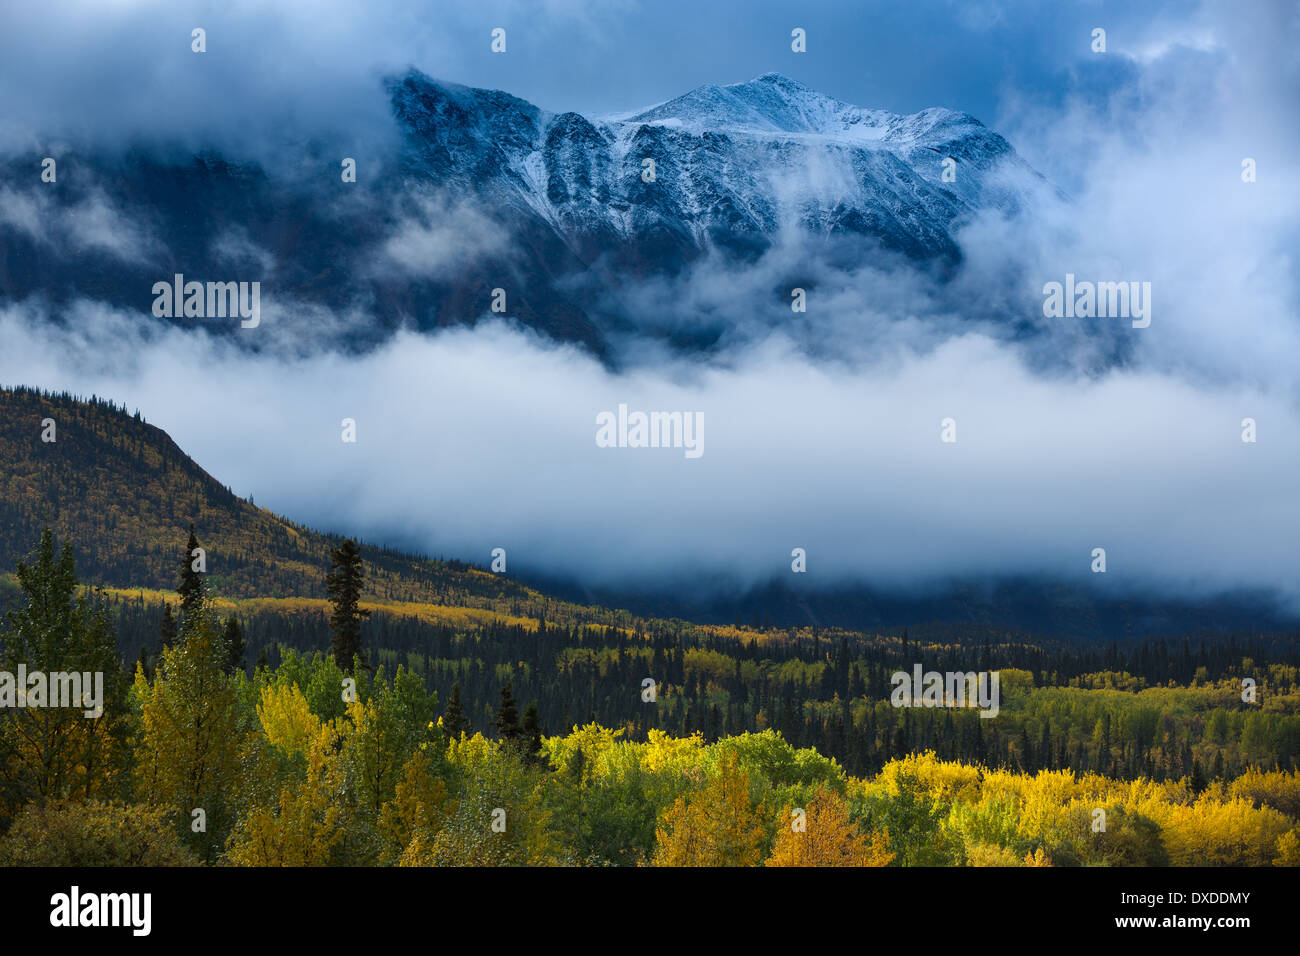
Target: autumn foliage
[(302, 764), (825, 836)]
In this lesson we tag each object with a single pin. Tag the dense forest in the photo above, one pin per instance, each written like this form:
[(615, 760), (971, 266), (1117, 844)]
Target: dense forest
[(1158, 709), (326, 702), (404, 740)]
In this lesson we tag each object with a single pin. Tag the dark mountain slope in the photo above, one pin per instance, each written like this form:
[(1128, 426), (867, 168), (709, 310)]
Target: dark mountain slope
[(124, 494)]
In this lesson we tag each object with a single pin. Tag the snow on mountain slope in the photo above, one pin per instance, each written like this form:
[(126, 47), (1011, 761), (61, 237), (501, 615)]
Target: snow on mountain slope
[(488, 190), (734, 165)]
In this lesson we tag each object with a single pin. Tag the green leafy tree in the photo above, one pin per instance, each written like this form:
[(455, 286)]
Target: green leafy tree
[(499, 819), (914, 822), (603, 819), (319, 678), (95, 833), (388, 729), (1130, 839), (189, 742), (47, 751)]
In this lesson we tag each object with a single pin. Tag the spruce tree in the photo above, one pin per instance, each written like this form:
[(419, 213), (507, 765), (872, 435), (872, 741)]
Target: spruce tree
[(1199, 782), (233, 635), (167, 630), (343, 585), (453, 721), (507, 722), (532, 733), (191, 586), (1026, 752)]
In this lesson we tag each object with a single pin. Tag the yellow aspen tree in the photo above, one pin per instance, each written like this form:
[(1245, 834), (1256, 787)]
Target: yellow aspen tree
[(825, 836), (419, 806), (190, 742), (718, 826)]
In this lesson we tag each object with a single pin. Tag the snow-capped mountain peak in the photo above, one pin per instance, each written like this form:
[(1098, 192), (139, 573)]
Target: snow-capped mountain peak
[(776, 104), (555, 201), (771, 103)]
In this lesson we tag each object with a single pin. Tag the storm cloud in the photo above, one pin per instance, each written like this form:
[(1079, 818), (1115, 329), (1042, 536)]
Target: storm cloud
[(822, 429)]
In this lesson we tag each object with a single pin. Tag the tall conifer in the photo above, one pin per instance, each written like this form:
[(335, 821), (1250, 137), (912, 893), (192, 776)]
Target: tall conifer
[(343, 585)]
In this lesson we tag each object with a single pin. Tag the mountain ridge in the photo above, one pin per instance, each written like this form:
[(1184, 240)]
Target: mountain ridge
[(490, 191), (123, 493), (711, 145)]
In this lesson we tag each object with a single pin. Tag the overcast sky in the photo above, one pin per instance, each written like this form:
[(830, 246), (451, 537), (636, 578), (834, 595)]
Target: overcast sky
[(476, 439), (86, 66)]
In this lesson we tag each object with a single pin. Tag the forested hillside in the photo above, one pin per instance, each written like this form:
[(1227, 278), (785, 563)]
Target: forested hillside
[(314, 763), (1155, 708), (123, 493), (473, 694)]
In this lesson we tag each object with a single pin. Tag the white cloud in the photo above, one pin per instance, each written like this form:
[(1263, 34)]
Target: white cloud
[(439, 237), (475, 439), (822, 429), (93, 222)]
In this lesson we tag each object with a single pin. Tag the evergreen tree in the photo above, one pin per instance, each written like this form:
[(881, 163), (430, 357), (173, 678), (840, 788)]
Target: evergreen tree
[(191, 587), (1026, 752), (532, 733), (507, 722), (167, 630), (233, 635), (453, 721), (343, 585), (1198, 776)]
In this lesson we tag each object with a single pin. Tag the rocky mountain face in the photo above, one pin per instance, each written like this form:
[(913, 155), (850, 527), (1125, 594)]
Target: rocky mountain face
[(487, 192)]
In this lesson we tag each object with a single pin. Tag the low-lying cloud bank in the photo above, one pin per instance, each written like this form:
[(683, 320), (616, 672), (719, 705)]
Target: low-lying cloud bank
[(477, 439)]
